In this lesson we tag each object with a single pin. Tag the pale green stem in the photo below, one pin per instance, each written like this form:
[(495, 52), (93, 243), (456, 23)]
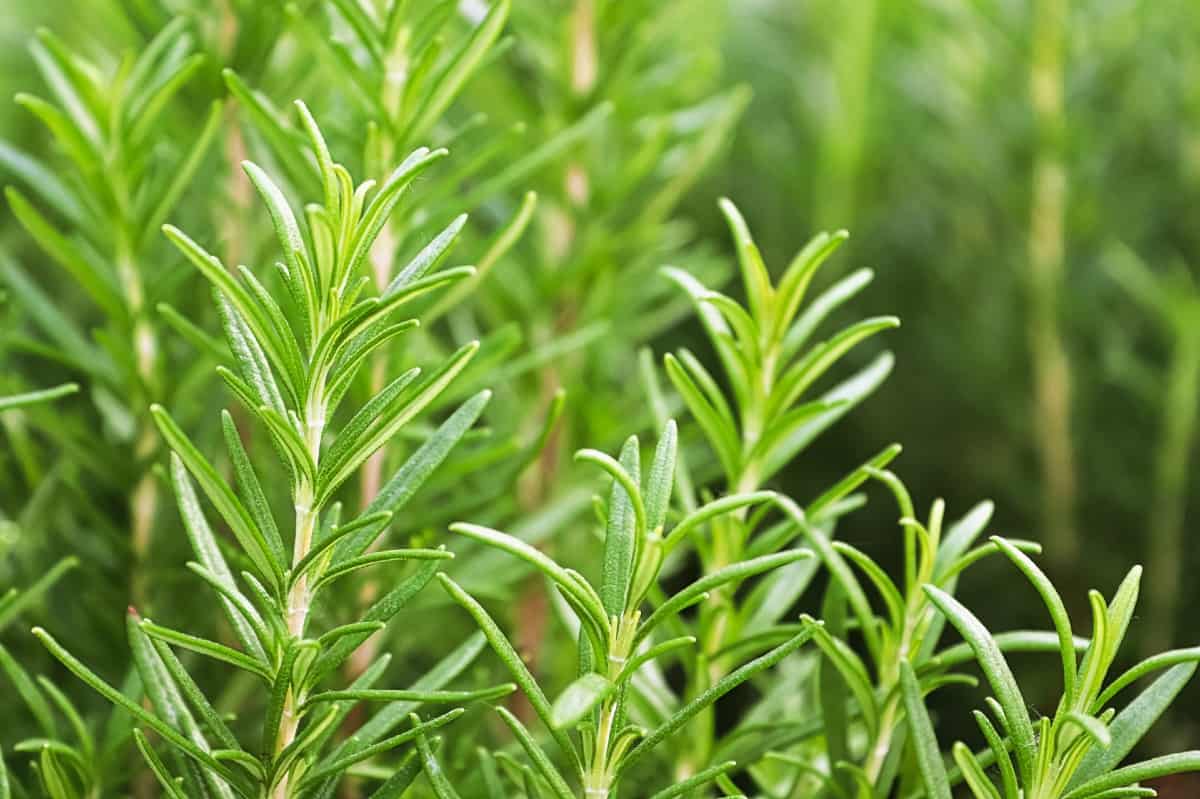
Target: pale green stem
[(298, 601), (1165, 553), (1051, 367)]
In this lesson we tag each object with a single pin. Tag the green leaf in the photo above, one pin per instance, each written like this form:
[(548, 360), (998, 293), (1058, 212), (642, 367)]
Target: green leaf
[(715, 420), (251, 488), (714, 692), (434, 679), (582, 598), (1138, 772), (794, 283), (512, 662), (925, 744), (37, 177), (700, 778), (414, 696), (625, 526), (1000, 677), (793, 383), (382, 610), (430, 256), (972, 772), (712, 510), (334, 473), (17, 602), (838, 569), (1145, 667), (1133, 722), (697, 590), (438, 780), (541, 760), (133, 708), (387, 556), (459, 69), (755, 279), (91, 277), (341, 765), (851, 668), (182, 174), (1054, 604), (243, 619), (203, 646), (221, 496), (170, 785), (661, 479), (289, 370), (578, 699), (29, 693)]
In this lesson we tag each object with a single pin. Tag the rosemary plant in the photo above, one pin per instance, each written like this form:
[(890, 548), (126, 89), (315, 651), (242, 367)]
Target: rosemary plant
[(764, 352), (594, 721), (293, 369), (1075, 752), (707, 635)]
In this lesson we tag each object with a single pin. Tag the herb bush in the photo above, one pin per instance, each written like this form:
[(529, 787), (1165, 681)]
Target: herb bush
[(335, 489)]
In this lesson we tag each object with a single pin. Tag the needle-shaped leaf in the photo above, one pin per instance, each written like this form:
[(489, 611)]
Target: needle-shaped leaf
[(697, 590), (714, 420), (92, 278), (920, 728), (794, 284), (251, 488), (1133, 722), (511, 660), (1138, 772), (243, 620), (711, 510), (624, 526), (561, 577), (203, 646), (755, 278), (718, 689), (334, 473), (973, 773), (541, 760), (459, 69), (578, 699), (382, 610), (371, 559), (434, 772), (172, 786), (1000, 677), (851, 668), (1000, 756), (430, 256), (252, 540), (697, 780), (30, 694), (838, 568), (133, 708), (1054, 604)]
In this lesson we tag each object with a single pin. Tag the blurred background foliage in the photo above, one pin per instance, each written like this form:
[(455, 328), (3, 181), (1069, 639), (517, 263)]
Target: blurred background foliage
[(1021, 175)]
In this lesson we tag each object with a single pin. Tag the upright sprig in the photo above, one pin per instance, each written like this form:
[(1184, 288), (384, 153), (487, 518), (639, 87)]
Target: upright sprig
[(864, 745), (295, 358), (597, 720), (770, 366), (1077, 752), (99, 223)]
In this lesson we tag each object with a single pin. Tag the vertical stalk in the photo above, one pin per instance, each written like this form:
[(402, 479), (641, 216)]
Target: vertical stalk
[(1051, 368), (298, 599), (846, 126), (143, 499), (1170, 490)]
